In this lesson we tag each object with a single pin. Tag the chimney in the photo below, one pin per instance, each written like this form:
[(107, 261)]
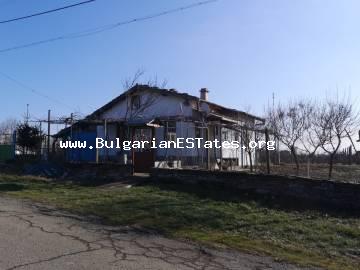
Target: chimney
[(204, 94)]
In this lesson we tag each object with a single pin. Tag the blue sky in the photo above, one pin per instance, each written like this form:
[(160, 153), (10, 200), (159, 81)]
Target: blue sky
[(241, 50)]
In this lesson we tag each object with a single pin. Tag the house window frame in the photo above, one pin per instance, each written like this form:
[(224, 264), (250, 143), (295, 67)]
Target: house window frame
[(170, 131)]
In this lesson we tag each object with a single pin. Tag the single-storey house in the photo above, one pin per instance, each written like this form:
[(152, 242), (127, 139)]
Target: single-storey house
[(144, 113)]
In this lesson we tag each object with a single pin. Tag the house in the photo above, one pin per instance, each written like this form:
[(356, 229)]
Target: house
[(144, 112)]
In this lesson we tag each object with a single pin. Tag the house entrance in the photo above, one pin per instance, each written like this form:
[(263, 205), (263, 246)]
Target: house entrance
[(143, 158)]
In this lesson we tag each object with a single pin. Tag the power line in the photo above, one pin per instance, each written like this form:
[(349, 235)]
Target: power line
[(34, 91), (46, 12), (108, 27)]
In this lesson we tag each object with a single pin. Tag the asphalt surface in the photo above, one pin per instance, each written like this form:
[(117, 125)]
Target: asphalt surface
[(34, 236)]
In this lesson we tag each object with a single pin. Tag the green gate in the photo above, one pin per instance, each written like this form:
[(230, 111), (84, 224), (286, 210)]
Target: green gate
[(6, 152)]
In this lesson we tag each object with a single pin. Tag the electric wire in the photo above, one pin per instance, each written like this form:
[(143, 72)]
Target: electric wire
[(97, 30), (46, 12)]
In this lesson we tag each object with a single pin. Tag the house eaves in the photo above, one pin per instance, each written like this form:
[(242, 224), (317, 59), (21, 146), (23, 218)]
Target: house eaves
[(166, 92)]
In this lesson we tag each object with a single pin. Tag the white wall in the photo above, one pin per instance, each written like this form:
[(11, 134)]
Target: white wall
[(168, 106), (183, 130), (163, 106)]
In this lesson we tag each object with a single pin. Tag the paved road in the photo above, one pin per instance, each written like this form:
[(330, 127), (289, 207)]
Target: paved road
[(33, 236)]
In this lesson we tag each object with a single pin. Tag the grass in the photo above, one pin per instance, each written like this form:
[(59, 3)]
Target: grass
[(341, 172), (210, 216)]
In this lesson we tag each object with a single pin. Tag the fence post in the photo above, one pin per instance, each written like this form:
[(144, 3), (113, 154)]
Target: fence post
[(267, 151), (14, 144), (48, 136)]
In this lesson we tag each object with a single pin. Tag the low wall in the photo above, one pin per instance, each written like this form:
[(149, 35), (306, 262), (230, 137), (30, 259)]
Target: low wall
[(102, 172), (329, 193), (78, 172)]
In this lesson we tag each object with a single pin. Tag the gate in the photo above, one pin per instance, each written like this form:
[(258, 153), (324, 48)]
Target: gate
[(7, 146)]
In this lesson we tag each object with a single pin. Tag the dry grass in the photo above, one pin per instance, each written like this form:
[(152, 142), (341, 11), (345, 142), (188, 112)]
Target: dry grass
[(341, 173)]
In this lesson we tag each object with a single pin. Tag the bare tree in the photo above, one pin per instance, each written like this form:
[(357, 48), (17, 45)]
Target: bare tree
[(136, 102), (136, 105), (137, 78), (288, 123), (248, 134), (7, 128), (132, 81), (334, 120), (309, 142)]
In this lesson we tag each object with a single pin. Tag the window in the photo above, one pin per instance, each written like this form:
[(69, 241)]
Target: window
[(135, 102), (171, 131), (225, 135), (198, 132)]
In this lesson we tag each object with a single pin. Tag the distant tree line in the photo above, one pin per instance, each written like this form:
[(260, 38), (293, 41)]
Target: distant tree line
[(28, 137)]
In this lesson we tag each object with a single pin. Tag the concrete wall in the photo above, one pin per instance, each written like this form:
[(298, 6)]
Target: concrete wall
[(99, 173), (323, 192)]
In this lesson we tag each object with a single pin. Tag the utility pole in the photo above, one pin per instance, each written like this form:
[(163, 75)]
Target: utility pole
[(71, 126), (41, 144), (27, 114), (221, 150), (48, 135), (106, 138)]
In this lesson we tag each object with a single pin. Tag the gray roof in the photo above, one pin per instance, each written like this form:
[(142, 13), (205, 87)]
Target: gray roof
[(168, 92)]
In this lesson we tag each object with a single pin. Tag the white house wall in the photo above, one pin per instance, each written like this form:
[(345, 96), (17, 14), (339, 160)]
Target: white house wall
[(169, 106), (183, 130), (238, 153), (164, 106)]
